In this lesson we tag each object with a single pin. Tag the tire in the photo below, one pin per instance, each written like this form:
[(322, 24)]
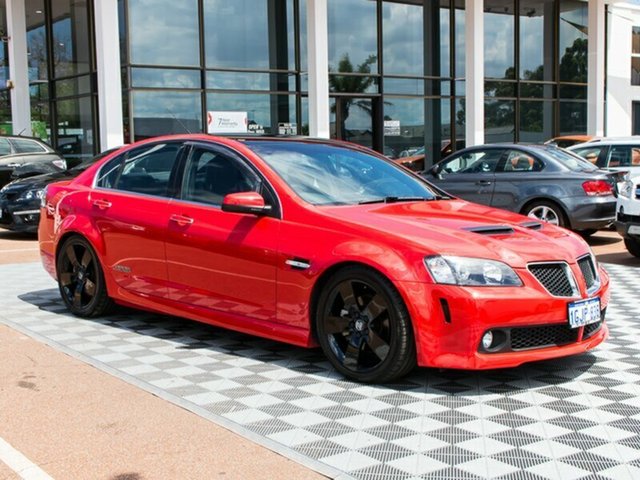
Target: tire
[(364, 328), (546, 211), (587, 233), (633, 246), (81, 280)]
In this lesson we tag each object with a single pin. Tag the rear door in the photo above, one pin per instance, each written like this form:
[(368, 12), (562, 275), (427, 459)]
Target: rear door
[(129, 206), (222, 261), (469, 175)]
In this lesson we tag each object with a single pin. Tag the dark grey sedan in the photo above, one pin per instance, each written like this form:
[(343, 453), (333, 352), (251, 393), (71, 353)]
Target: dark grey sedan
[(541, 181)]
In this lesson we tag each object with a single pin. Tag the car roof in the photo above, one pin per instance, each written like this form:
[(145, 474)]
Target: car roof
[(609, 141)]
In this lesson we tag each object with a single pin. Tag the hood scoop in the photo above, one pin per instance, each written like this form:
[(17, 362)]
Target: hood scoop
[(491, 230), (532, 225)]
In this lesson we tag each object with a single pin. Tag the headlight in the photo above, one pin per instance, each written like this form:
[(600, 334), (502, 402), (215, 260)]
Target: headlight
[(626, 189), (32, 194), (471, 271)]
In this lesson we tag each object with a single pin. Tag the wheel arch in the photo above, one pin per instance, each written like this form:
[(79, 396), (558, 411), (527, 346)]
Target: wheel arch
[(554, 201)]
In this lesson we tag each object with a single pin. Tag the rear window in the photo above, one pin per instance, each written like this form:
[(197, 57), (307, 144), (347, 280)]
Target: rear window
[(570, 160), (23, 145)]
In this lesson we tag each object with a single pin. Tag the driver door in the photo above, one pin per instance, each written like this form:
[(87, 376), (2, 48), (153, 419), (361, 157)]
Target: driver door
[(469, 175)]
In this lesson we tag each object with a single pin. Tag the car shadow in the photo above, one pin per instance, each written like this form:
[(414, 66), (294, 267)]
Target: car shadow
[(17, 236), (192, 335)]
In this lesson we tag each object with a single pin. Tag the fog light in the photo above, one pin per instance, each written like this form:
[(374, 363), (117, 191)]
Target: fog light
[(487, 340)]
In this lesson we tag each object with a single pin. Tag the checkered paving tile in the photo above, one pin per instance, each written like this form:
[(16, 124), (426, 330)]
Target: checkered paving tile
[(575, 418)]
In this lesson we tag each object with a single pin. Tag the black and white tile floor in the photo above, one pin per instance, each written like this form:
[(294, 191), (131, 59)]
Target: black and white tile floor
[(565, 419)]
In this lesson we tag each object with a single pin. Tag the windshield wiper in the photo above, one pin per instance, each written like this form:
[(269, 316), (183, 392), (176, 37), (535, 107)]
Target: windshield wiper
[(391, 199)]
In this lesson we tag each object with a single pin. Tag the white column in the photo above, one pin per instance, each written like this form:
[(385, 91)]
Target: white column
[(108, 73), (596, 68), (318, 59), (474, 67), (18, 67)]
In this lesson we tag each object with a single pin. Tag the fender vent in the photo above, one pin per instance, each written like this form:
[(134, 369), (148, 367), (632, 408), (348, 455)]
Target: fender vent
[(532, 225)]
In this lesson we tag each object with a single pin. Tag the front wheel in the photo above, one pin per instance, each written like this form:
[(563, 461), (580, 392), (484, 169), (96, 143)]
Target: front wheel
[(80, 279), (633, 246), (364, 328)]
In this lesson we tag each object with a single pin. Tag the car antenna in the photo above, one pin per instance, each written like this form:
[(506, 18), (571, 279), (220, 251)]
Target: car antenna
[(21, 132), (178, 120)]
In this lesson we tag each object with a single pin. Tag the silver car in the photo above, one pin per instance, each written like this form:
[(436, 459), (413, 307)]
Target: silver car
[(541, 181)]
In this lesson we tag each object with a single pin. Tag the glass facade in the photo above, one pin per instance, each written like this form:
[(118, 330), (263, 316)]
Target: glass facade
[(60, 51), (5, 102)]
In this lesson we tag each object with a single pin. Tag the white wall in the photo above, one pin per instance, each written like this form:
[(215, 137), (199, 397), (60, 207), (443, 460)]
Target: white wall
[(620, 92)]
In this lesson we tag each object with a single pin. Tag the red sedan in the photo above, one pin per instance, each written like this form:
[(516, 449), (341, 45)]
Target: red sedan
[(317, 242)]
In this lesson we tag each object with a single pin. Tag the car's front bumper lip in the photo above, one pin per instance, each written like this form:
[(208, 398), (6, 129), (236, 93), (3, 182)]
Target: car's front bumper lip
[(454, 342)]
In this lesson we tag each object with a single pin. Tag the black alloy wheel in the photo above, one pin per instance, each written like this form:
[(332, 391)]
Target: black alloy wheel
[(364, 328), (80, 279)]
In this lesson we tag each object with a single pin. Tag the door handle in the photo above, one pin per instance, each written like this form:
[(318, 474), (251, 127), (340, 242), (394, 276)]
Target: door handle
[(483, 182), (101, 204), (181, 220)]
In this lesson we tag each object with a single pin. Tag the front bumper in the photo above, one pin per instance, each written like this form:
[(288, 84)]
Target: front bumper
[(449, 322), (19, 216)]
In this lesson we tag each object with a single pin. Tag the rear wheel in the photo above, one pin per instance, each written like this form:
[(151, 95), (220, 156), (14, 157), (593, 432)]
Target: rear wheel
[(80, 279), (633, 246), (364, 328), (546, 212)]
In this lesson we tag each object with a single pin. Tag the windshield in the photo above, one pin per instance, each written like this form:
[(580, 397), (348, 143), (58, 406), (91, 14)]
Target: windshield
[(324, 174), (573, 162)]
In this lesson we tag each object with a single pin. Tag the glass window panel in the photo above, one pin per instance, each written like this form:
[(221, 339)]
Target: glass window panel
[(4, 53), (408, 137), (572, 47), (536, 121), (499, 120), (76, 135), (165, 112), (148, 170), (403, 38), (407, 86), (40, 118), (71, 38), (460, 87), (250, 34), (302, 6), (73, 86), (635, 70), (499, 27), (437, 134), (353, 84), (165, 78), (635, 124), (276, 82), (635, 40), (444, 36), (537, 27), (573, 118), (537, 90), (122, 31), (265, 112), (460, 123), (460, 42), (5, 113), (500, 89), (573, 92), (37, 53), (165, 32), (353, 38)]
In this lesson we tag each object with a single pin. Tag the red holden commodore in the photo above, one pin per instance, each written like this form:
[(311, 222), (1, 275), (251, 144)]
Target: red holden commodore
[(318, 242)]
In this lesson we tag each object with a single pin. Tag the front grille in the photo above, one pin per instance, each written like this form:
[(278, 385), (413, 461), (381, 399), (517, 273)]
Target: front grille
[(588, 270), (544, 336), (554, 277), (590, 329)]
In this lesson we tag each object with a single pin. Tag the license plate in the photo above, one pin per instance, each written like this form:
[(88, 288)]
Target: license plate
[(584, 312), (634, 230)]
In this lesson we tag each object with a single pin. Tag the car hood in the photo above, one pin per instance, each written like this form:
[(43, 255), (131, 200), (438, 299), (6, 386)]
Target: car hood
[(457, 227), (38, 181)]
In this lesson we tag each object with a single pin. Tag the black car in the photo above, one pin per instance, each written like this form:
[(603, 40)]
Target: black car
[(20, 199), (30, 155), (542, 181)]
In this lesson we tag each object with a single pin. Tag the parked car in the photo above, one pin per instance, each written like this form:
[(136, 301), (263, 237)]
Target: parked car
[(628, 214), (319, 242), (619, 154), (541, 181), (30, 154), (566, 141), (20, 199)]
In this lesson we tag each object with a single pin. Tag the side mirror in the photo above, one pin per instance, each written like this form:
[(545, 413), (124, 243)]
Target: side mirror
[(245, 202)]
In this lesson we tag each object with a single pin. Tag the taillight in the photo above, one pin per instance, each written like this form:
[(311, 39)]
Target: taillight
[(597, 188)]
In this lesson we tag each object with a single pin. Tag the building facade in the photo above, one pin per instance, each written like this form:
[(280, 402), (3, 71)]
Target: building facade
[(395, 75)]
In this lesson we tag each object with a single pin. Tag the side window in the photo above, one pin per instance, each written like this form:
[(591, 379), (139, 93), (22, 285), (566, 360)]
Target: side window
[(619, 156), (144, 170), (27, 146), (518, 161), (5, 148), (211, 175), (473, 162), (590, 153)]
